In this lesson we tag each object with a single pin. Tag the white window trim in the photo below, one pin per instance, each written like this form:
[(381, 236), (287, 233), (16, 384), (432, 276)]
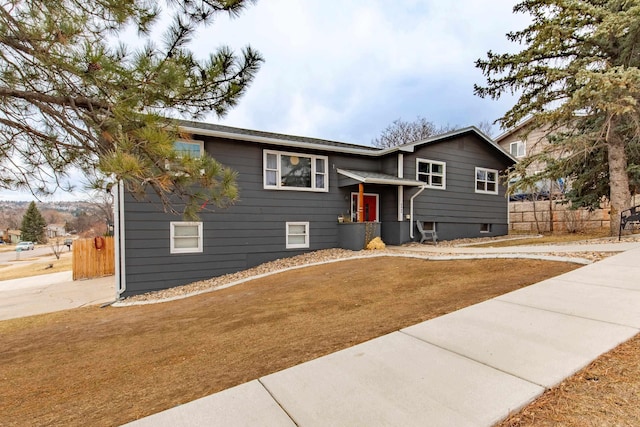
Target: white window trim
[(174, 250), (306, 235), (475, 181), (314, 172), (518, 145), (444, 173)]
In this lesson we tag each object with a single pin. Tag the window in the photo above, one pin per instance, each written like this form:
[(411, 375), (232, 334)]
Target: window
[(185, 148), (290, 171), (517, 149), (297, 235), (485, 228), (186, 237), (431, 172), (191, 148), (486, 181)]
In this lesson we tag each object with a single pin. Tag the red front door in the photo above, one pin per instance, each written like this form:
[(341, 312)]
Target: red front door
[(370, 207)]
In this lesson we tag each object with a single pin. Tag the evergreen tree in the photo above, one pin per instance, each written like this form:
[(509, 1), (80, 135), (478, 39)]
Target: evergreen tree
[(33, 225), (577, 76), (77, 92)]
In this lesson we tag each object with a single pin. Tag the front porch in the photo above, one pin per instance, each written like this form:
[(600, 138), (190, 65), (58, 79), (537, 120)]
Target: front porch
[(376, 209)]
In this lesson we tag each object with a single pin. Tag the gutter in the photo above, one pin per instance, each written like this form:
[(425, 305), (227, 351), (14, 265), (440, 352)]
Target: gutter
[(291, 143), (274, 139), (411, 210)]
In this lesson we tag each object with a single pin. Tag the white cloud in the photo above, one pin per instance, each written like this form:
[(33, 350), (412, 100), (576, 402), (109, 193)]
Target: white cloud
[(345, 70)]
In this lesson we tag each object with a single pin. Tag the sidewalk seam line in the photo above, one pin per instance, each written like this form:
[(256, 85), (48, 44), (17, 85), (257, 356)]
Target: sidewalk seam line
[(544, 388), (577, 282), (277, 401), (567, 314)]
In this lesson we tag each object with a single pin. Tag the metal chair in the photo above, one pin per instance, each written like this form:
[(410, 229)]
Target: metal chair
[(426, 234)]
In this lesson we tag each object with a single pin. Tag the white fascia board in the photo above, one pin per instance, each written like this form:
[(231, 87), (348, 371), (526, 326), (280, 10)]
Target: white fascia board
[(280, 142), (378, 180)]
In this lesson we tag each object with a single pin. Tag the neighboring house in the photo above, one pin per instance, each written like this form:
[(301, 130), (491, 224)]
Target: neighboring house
[(523, 141), (55, 230), (12, 236), (293, 191), (539, 209)]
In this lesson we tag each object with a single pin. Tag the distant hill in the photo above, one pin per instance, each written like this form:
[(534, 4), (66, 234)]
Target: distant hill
[(82, 216)]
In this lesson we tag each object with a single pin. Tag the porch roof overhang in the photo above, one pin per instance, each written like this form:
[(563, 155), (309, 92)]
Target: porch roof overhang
[(367, 177)]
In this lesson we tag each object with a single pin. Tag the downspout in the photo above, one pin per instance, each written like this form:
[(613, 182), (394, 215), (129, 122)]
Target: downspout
[(508, 196), (118, 231), (411, 210), (400, 188)]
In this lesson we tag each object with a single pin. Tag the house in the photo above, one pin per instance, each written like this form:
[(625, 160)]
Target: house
[(537, 209), (293, 190), (11, 236), (55, 230)]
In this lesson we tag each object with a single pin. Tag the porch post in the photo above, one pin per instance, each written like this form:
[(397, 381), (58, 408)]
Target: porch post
[(361, 202)]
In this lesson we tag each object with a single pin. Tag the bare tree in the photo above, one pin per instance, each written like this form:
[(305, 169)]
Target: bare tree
[(103, 203), (485, 127), (401, 132), (56, 247)]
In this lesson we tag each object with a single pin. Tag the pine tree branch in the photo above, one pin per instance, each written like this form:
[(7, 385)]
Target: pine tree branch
[(89, 104)]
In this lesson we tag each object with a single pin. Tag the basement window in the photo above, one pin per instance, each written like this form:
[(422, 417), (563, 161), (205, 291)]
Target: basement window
[(297, 235), (485, 228), (186, 237)]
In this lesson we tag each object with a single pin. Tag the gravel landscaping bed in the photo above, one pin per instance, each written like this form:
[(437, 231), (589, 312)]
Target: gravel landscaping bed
[(336, 254), (221, 281)]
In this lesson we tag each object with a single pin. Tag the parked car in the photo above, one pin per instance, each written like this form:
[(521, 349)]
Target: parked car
[(25, 246)]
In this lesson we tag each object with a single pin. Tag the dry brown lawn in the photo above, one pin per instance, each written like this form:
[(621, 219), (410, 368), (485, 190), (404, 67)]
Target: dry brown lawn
[(34, 266), (605, 393), (108, 366)]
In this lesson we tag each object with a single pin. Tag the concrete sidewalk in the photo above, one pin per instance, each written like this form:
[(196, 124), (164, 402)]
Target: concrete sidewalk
[(529, 249), (468, 368), (47, 293)]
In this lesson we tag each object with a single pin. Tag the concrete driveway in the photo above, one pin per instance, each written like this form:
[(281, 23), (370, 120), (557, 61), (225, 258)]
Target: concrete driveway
[(47, 293)]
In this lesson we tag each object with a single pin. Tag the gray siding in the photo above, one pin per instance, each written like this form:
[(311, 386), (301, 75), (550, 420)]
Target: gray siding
[(244, 235), (253, 230), (458, 210)]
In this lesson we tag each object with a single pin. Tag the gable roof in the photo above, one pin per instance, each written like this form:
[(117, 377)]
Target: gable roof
[(471, 130), (228, 132), (514, 129)]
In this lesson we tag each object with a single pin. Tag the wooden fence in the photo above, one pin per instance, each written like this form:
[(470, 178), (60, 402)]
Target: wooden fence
[(93, 258)]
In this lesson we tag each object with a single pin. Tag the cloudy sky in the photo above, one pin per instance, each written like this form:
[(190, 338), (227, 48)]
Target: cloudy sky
[(345, 69)]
